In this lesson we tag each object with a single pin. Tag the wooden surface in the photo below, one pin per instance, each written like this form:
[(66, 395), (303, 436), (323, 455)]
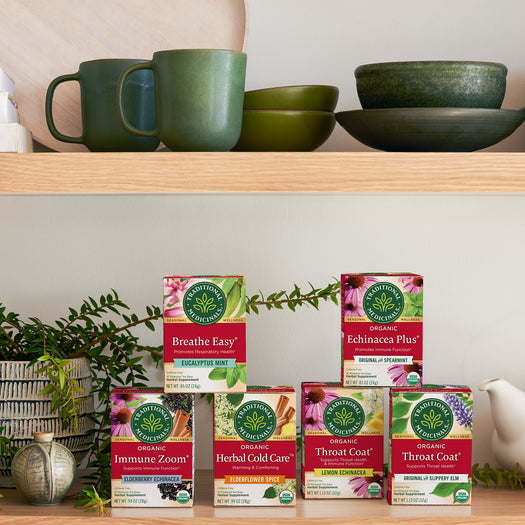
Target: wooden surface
[(489, 507), (43, 39), (162, 172)]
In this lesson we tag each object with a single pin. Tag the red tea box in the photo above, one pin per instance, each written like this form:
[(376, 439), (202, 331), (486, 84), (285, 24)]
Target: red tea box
[(382, 329), (254, 447), (205, 334), (342, 454), (430, 459), (152, 448)]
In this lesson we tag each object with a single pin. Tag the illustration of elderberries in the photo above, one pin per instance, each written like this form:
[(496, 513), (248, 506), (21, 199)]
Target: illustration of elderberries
[(462, 413)]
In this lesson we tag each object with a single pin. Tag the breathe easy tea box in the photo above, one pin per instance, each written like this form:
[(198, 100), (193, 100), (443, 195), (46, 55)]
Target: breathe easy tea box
[(152, 448), (430, 446), (342, 454), (382, 329), (205, 334), (254, 447)]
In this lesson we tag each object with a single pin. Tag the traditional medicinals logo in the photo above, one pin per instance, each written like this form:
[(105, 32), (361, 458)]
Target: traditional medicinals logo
[(204, 303), (151, 423), (383, 303), (255, 421), (343, 417), (431, 419)]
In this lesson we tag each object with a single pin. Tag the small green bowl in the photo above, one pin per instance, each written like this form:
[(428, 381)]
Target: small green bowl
[(269, 130), (301, 98), (431, 83)]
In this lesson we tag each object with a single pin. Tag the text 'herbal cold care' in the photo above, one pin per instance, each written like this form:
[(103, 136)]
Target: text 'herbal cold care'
[(254, 447), (342, 455), (430, 458), (382, 329), (205, 334), (152, 448)]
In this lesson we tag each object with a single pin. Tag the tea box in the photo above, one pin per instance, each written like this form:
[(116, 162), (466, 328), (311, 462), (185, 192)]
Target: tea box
[(382, 329), (254, 447), (152, 448), (204, 334), (430, 443), (342, 429)]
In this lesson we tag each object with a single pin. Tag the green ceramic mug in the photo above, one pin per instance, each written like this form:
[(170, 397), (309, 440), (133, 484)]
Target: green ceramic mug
[(199, 96), (101, 127)]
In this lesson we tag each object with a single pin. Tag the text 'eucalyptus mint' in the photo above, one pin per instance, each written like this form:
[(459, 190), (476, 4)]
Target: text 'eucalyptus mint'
[(382, 329), (254, 447), (205, 334)]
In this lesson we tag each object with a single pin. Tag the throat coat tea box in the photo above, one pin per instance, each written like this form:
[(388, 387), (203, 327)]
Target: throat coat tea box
[(254, 447), (152, 448), (342, 454), (382, 329), (430, 446), (204, 334)]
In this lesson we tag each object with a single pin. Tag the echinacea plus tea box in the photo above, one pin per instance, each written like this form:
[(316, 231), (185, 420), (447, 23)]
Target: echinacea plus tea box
[(152, 448), (430, 461), (382, 329), (342, 453), (254, 447), (205, 334)]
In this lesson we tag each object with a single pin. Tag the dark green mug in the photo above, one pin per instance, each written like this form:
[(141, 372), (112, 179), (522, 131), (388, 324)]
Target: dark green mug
[(199, 96), (101, 127)]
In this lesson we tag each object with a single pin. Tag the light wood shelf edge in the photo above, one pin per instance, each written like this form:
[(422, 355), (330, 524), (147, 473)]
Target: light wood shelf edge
[(165, 173)]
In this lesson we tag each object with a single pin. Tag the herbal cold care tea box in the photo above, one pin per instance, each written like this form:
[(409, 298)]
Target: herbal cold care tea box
[(205, 334), (342, 454), (430, 445), (254, 447), (151, 448), (382, 329)]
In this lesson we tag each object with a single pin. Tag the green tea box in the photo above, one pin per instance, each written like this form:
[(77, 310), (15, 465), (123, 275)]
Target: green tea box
[(152, 448), (342, 453), (430, 441), (254, 444), (382, 329), (205, 334)]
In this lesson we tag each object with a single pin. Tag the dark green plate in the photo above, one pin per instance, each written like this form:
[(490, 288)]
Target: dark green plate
[(430, 129)]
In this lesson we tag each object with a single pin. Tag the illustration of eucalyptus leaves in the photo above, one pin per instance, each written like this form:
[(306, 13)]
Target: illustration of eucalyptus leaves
[(235, 292)]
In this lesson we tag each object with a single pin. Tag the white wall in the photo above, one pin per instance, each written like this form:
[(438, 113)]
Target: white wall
[(57, 250)]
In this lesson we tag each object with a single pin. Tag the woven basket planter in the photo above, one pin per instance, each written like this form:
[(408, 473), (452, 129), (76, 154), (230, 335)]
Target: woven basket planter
[(23, 411)]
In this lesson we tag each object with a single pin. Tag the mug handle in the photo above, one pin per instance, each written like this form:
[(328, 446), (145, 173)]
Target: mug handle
[(49, 110), (120, 90)]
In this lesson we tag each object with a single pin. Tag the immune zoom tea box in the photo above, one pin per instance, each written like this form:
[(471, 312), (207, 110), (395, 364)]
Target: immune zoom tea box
[(152, 448), (205, 334), (254, 447), (430, 446), (342, 454), (382, 329)]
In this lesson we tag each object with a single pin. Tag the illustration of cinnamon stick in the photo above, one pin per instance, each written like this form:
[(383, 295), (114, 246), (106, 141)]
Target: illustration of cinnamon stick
[(285, 418), (281, 405), (179, 422), (187, 432)]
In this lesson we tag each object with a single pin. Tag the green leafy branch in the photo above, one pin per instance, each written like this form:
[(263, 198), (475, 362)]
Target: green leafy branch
[(89, 499), (497, 476)]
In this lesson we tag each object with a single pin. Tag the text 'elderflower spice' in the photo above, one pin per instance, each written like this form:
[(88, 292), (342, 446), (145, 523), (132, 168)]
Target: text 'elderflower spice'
[(205, 334), (430, 445), (382, 329), (342, 441), (254, 447), (152, 448)]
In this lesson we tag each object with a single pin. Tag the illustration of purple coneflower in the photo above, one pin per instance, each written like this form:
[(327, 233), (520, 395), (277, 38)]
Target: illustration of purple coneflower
[(121, 420), (412, 283), (360, 485), (315, 404), (399, 373), (355, 287), (462, 413)]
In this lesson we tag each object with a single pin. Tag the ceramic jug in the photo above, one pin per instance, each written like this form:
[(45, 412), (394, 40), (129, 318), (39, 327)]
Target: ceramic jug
[(507, 405), (43, 470)]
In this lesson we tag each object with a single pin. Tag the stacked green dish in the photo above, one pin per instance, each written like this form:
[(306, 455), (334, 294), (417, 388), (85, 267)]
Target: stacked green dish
[(287, 118), (431, 106)]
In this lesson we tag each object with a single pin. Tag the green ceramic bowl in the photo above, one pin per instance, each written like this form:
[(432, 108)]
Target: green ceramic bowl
[(431, 84), (430, 129), (267, 130), (304, 98)]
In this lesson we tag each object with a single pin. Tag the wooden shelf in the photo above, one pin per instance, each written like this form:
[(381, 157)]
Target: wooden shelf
[(163, 172), (489, 506)]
